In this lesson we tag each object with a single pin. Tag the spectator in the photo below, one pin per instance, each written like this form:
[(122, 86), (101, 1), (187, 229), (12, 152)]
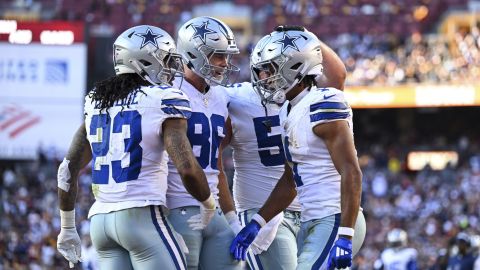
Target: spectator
[(464, 259), (398, 256)]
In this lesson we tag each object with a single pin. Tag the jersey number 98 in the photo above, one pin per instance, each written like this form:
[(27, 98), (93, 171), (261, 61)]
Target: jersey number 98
[(198, 134)]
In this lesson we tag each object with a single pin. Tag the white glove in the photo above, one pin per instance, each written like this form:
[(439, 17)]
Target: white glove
[(234, 222), (207, 211), (68, 241)]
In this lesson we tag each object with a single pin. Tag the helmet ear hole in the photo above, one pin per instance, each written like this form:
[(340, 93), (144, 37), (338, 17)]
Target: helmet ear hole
[(191, 55), (145, 62), (296, 66)]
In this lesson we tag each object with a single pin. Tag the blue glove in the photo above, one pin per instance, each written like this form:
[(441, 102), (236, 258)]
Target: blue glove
[(340, 256), (244, 238)]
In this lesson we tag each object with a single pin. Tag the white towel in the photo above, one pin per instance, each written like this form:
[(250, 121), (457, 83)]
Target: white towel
[(266, 235)]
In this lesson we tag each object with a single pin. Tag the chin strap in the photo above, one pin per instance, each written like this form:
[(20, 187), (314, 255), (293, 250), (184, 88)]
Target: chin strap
[(267, 122), (142, 72)]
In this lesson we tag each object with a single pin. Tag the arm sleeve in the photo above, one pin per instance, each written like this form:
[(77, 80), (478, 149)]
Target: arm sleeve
[(328, 106)]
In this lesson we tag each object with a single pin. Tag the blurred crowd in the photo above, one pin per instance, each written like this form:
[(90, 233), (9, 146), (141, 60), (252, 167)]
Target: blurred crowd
[(381, 42), (431, 206), (386, 60), (30, 222), (383, 60)]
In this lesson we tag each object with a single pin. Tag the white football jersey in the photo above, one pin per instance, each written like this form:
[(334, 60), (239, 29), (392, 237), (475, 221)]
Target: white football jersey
[(398, 259), (205, 132), (258, 154), (317, 180), (129, 167)]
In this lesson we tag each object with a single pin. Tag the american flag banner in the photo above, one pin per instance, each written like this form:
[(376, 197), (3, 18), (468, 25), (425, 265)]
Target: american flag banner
[(14, 120)]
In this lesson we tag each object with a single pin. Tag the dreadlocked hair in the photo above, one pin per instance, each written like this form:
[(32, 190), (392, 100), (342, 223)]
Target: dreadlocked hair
[(309, 81), (107, 92)]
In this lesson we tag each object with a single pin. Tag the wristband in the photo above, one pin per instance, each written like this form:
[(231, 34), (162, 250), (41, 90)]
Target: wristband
[(259, 219), (231, 217), (346, 231), (209, 203), (67, 219)]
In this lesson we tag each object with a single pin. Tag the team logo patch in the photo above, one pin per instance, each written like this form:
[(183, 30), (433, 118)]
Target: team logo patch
[(288, 42), (201, 31), (149, 37)]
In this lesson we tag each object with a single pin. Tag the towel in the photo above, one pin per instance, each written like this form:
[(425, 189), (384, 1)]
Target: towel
[(266, 235)]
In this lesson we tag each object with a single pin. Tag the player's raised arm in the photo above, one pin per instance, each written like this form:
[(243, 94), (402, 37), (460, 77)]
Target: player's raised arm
[(78, 156), (334, 71), (180, 152)]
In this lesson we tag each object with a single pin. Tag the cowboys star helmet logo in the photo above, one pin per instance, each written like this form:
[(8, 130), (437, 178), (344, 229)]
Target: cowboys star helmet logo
[(202, 31), (287, 42), (149, 37)]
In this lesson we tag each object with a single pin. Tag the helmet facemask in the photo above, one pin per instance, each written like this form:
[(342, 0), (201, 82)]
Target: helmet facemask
[(172, 66), (167, 66), (272, 86)]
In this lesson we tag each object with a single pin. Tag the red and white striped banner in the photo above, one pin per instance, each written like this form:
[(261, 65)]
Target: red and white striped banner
[(14, 120)]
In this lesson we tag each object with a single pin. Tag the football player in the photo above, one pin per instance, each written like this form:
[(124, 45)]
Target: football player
[(254, 134), (465, 257), (321, 165), (397, 256), (207, 46), (132, 121)]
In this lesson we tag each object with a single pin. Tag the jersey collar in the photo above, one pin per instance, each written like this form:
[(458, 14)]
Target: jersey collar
[(299, 97)]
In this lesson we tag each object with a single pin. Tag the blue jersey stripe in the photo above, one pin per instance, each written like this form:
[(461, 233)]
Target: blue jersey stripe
[(328, 116), (176, 102), (173, 110), (328, 246), (250, 262), (164, 239), (328, 105), (169, 230), (259, 263)]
